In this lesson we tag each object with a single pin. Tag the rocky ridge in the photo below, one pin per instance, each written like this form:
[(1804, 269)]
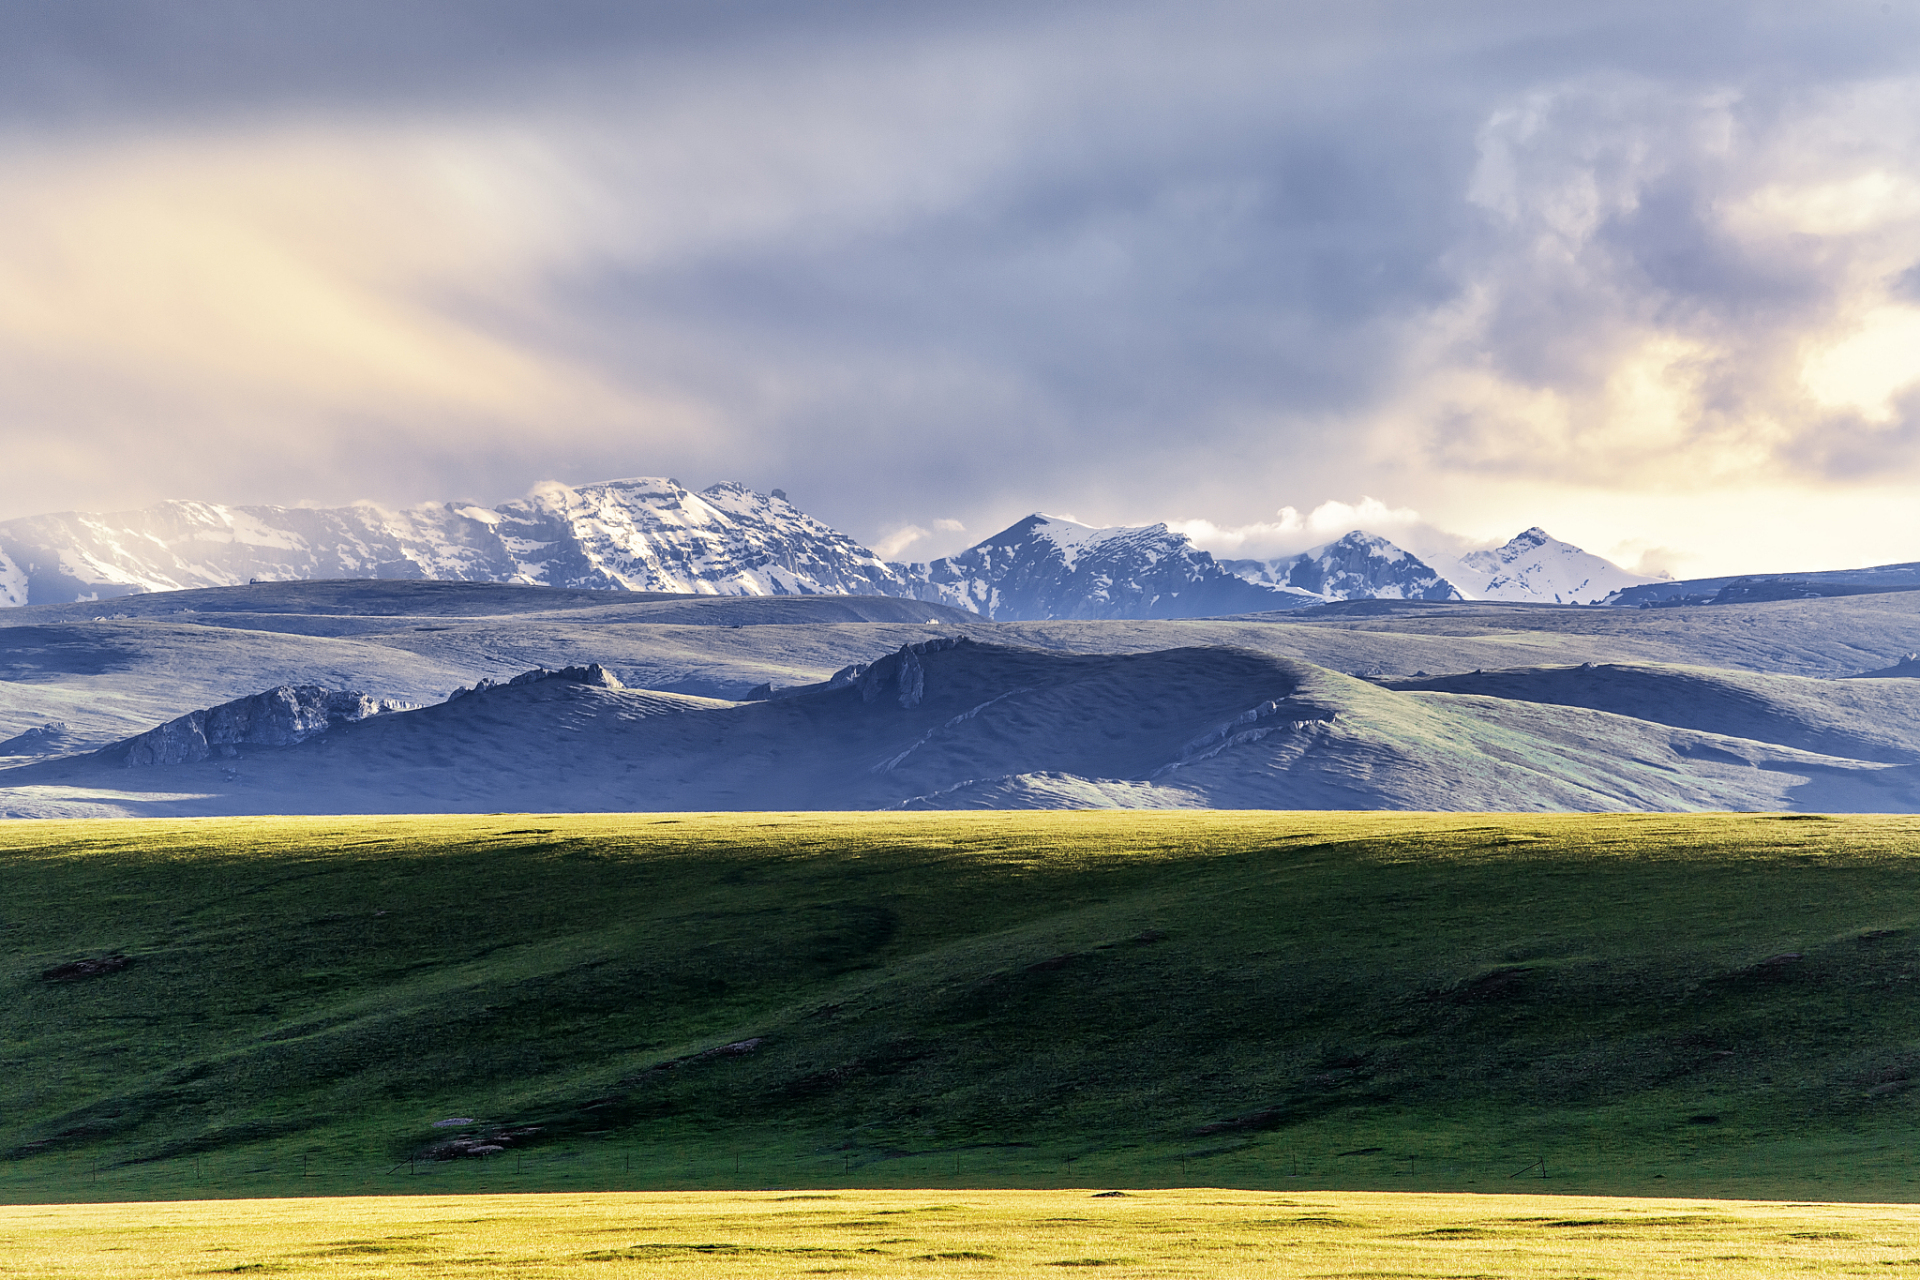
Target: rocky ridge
[(279, 717), (591, 674)]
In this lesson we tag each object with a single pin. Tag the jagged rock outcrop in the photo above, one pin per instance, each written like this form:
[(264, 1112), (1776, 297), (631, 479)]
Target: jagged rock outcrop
[(1907, 667), (280, 717), (900, 674), (50, 739), (593, 673)]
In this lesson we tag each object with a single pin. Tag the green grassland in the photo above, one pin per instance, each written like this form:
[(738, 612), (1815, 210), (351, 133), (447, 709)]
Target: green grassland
[(1193, 1232), (1668, 1005)]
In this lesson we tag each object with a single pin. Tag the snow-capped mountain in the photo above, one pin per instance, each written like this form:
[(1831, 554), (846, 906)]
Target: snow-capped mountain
[(1048, 567), (1540, 569), (1359, 566), (652, 534), (638, 535)]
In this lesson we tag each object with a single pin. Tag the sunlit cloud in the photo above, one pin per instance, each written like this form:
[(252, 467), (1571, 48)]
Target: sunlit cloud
[(1673, 290), (203, 309), (899, 540), (1291, 531), (1867, 369)]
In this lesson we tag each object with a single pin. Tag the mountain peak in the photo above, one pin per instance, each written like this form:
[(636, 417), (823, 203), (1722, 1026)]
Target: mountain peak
[(1356, 566), (1534, 566), (1047, 566), (1362, 541)]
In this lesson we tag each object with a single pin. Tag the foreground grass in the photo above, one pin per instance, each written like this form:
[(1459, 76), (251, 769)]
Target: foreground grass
[(1169, 1233), (1703, 1006)]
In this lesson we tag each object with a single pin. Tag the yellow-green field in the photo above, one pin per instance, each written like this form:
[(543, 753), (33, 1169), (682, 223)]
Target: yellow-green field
[(1201, 1232)]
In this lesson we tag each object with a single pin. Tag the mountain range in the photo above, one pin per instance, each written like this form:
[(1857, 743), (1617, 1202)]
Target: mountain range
[(632, 535), (656, 535)]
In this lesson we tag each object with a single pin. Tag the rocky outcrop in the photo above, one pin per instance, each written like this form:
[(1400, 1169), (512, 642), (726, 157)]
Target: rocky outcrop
[(1908, 667), (592, 674), (50, 739), (279, 717), (901, 674)]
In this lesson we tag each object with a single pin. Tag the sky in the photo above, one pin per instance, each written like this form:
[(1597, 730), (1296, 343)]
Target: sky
[(1644, 274)]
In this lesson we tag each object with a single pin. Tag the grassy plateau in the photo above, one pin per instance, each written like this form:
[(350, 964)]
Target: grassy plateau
[(1670, 1006)]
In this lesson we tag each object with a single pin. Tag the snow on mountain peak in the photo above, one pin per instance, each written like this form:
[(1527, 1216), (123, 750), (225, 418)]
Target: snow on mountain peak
[(1074, 538), (640, 533), (651, 533), (1052, 567), (1359, 541), (1534, 566), (1356, 566)]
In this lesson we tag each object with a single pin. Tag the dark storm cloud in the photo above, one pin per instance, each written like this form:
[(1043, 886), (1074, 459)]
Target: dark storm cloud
[(98, 61)]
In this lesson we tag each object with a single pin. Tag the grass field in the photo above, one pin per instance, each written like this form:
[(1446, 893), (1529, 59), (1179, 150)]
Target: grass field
[(1205, 1232), (1637, 1005)]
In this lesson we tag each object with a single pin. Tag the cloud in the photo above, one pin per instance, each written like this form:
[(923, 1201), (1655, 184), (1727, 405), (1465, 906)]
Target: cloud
[(255, 311), (1499, 261), (1291, 531), (898, 541), (1674, 288)]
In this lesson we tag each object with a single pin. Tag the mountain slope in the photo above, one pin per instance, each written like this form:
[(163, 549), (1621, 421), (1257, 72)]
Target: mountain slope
[(1048, 567)]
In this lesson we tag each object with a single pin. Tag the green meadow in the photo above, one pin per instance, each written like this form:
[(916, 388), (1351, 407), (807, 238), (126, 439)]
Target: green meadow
[(1670, 1006)]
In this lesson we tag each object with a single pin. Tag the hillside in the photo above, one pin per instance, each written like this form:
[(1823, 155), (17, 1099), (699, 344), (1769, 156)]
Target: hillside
[(952, 723), (1689, 1006), (1798, 704)]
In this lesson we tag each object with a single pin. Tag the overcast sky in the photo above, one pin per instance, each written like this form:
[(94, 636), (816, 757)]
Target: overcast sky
[(1646, 274)]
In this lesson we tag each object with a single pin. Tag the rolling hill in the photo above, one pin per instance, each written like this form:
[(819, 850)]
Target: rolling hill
[(727, 702), (1687, 1006)]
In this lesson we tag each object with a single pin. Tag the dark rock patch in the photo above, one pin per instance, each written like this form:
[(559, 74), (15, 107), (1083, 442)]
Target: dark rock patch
[(74, 970)]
